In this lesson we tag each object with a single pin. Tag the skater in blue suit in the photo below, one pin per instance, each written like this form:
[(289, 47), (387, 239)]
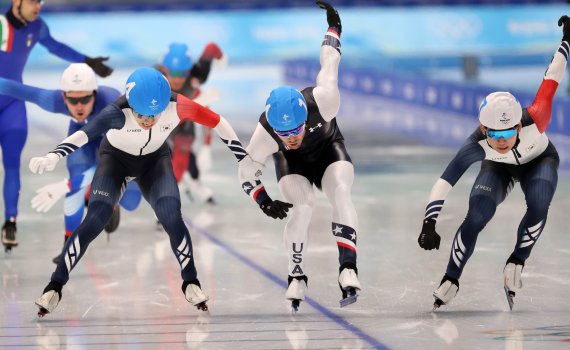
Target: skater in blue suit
[(21, 28)]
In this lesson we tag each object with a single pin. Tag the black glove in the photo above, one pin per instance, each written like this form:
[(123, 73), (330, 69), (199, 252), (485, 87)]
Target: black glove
[(275, 209), (332, 15), (564, 22), (429, 239), (100, 68)]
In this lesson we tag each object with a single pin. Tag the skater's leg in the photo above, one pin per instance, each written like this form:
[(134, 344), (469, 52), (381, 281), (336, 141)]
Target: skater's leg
[(489, 190), (538, 185), (297, 190)]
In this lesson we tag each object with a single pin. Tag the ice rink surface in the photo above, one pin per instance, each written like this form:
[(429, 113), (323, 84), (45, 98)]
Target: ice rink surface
[(125, 293)]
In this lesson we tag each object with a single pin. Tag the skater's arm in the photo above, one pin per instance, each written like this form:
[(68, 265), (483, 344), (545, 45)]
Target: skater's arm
[(541, 108), (251, 168), (201, 70), (190, 110), (57, 48), (469, 153), (326, 93), (49, 100)]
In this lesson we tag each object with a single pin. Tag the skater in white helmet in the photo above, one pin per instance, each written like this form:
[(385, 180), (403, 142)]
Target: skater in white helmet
[(512, 144), (299, 129)]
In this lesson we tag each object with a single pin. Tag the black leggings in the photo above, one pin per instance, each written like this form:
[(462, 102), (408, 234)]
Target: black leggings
[(154, 175), (538, 180)]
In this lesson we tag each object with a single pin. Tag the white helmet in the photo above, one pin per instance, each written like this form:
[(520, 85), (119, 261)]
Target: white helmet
[(78, 77), (500, 110)]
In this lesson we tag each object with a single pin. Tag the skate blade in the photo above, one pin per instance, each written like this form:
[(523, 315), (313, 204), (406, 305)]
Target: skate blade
[(510, 298), (351, 299), (436, 304), (42, 312), (295, 303), (202, 306)]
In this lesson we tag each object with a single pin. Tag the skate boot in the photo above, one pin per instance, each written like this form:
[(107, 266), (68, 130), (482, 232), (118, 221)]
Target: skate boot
[(58, 257), (446, 292), (513, 282), (296, 291), (113, 223), (49, 299), (194, 294), (349, 284), (9, 235)]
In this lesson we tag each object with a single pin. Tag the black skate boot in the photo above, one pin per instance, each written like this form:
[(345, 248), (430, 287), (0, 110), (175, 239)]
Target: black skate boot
[(194, 294), (51, 296), (447, 290), (9, 235), (348, 283), (58, 257), (296, 291), (113, 223), (512, 278)]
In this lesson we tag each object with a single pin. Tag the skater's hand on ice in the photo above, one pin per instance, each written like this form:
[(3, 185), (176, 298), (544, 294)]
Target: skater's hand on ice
[(46, 163), (333, 18), (275, 209), (100, 68), (564, 22), (429, 239), (48, 195)]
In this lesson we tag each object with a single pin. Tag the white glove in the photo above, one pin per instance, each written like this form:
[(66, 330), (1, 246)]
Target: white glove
[(48, 195), (46, 163), (204, 158)]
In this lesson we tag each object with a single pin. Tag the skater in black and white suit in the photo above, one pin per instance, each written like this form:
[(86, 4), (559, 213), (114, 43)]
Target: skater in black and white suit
[(299, 129), (512, 144), (136, 126)]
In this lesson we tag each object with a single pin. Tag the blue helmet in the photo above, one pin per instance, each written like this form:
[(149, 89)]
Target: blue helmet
[(285, 108), (148, 91), (177, 58)]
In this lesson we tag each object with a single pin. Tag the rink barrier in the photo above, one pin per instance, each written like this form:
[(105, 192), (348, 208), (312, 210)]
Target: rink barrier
[(440, 113)]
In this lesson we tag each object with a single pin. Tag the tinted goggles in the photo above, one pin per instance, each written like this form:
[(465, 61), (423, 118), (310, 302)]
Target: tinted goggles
[(178, 73), (83, 100), (295, 132), (506, 134)]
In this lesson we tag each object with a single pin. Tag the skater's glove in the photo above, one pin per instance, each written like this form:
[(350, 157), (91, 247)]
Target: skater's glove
[(48, 195), (275, 209), (333, 18), (212, 51), (46, 163), (100, 68), (204, 158), (564, 22), (429, 239)]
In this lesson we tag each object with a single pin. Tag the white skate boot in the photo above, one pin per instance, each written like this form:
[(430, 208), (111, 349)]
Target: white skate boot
[(194, 294), (513, 282), (349, 285), (296, 291), (48, 301), (446, 292)]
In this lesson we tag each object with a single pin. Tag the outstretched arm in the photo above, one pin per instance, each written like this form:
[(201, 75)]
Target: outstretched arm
[(49, 100), (190, 110), (541, 108), (111, 117), (327, 95)]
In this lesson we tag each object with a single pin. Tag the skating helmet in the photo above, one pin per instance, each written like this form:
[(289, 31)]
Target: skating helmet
[(147, 91), (500, 110), (78, 77), (177, 58), (285, 108)]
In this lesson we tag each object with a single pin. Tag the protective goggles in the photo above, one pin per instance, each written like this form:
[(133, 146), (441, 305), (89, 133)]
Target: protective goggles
[(178, 73), (506, 134), (295, 132), (83, 100), (41, 2), (140, 116)]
